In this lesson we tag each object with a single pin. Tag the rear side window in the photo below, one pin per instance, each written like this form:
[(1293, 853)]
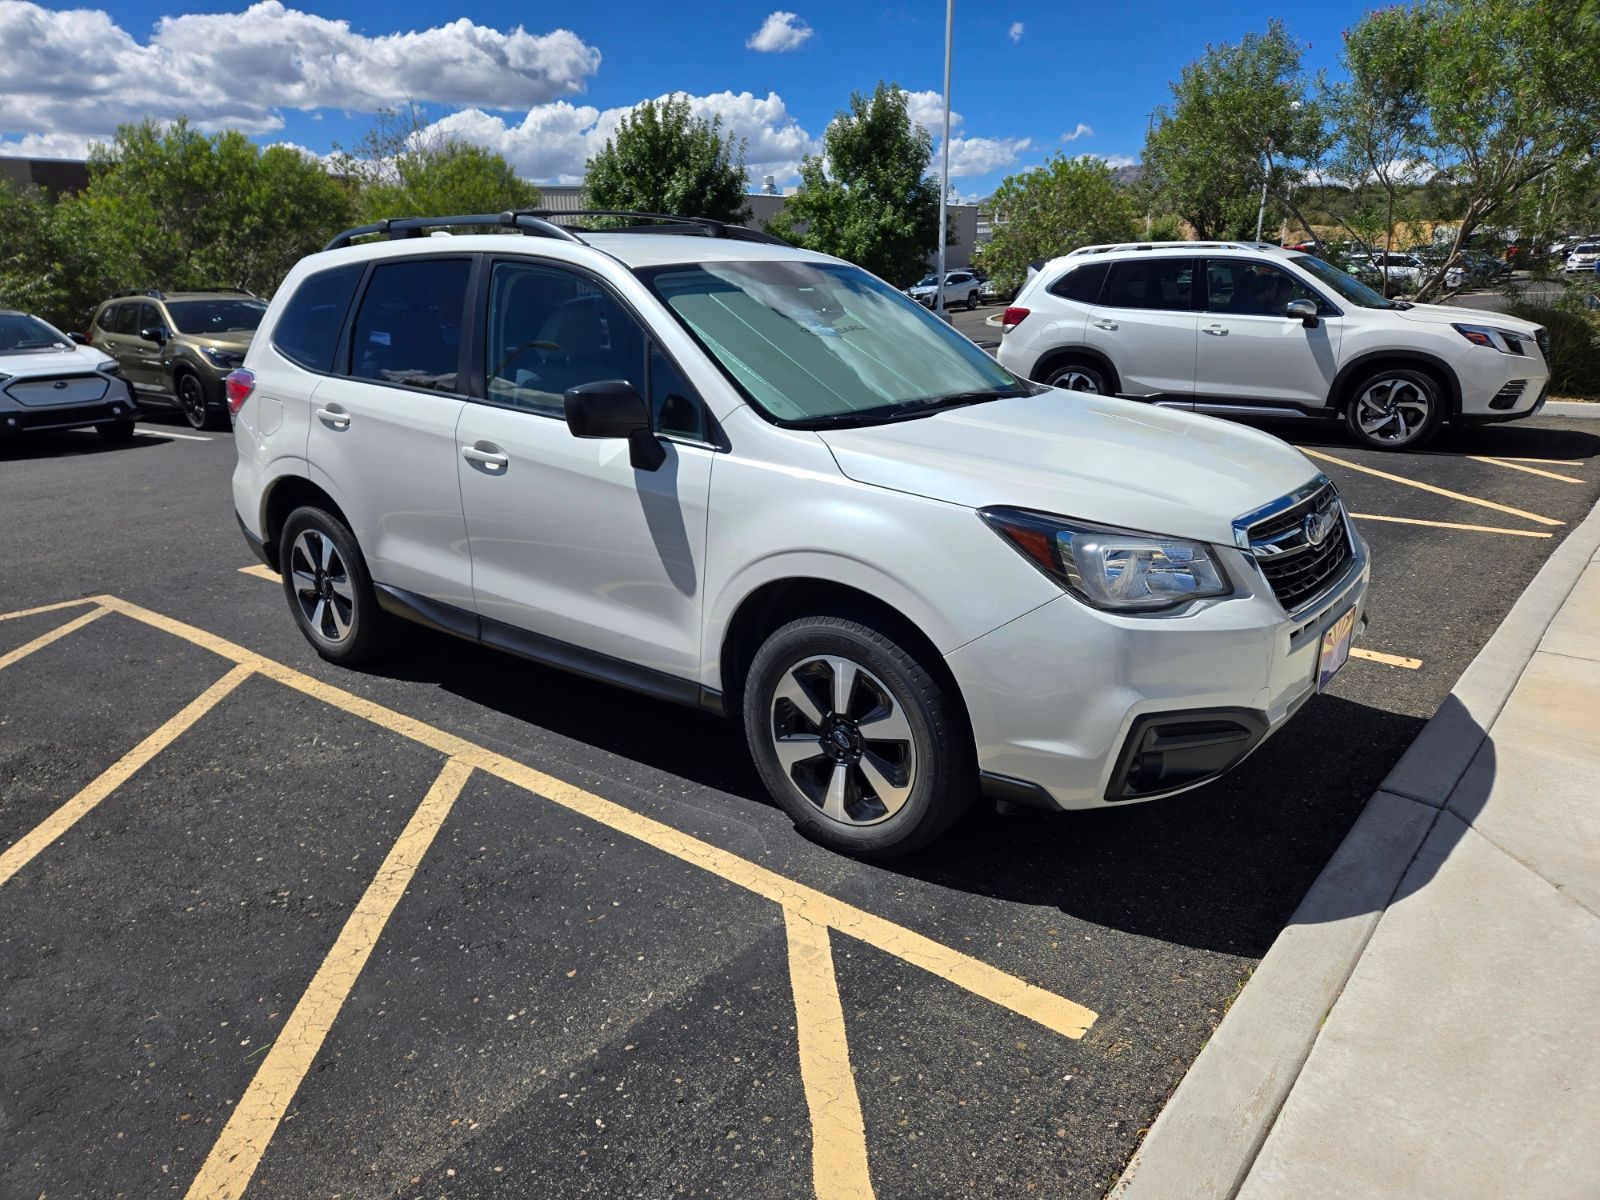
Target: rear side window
[(1082, 283), (118, 319), (308, 331), (1161, 283), (408, 328)]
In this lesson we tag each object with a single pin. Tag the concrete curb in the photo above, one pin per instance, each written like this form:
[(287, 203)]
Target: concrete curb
[(1572, 408), (1205, 1141)]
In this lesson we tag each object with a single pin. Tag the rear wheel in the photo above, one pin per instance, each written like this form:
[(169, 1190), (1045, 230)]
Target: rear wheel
[(972, 300), (855, 739), (329, 590), (1078, 375), (1395, 409)]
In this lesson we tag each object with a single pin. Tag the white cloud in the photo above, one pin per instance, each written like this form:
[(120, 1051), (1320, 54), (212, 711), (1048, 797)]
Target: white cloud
[(79, 73), (981, 155), (1115, 161), (1016, 31), (551, 143), (46, 145), (927, 109), (779, 32), (1082, 130)]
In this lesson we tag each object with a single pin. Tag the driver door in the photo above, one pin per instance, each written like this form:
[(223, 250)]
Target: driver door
[(1249, 350)]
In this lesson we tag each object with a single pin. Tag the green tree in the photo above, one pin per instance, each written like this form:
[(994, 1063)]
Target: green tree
[(48, 260), (868, 198), (402, 169), (663, 159), (1239, 119), (1047, 211)]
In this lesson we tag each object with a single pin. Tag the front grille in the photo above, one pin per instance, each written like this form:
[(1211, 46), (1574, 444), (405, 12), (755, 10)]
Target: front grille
[(1542, 336), (1279, 541), (1508, 396), (58, 391)]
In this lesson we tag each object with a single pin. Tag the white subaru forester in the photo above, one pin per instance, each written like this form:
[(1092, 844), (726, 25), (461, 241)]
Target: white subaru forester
[(1249, 328), (733, 474)]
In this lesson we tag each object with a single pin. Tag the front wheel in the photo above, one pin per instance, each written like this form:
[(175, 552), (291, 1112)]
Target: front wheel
[(329, 590), (856, 741), (972, 301), (1395, 409)]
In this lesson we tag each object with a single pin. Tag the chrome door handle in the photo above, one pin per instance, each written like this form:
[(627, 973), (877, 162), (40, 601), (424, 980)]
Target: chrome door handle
[(335, 417), (1216, 330), (486, 455), (1104, 324)]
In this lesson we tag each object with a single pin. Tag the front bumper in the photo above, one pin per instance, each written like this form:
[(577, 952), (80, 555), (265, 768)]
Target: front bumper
[(1065, 699), (117, 404)]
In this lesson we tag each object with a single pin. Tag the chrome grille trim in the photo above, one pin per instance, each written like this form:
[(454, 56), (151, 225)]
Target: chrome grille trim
[(1277, 539)]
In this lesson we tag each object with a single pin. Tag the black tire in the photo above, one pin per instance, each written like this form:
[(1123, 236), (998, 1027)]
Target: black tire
[(117, 433), (1377, 411), (199, 407), (972, 301), (329, 590), (932, 765), (1078, 375)]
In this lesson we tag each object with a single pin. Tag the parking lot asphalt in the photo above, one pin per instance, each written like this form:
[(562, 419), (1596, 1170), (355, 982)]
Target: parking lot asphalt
[(463, 926)]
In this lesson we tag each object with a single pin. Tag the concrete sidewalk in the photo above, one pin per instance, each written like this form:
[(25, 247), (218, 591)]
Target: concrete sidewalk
[(1428, 1026)]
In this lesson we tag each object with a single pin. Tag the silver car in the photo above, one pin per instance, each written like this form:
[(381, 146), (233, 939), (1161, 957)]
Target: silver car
[(48, 381)]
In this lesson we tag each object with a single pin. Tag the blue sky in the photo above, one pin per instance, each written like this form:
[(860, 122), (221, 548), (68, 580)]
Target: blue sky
[(1027, 77)]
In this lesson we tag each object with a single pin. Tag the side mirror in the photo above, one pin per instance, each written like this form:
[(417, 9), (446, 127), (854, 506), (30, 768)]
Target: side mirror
[(79, 338), (154, 334), (611, 408), (1306, 310)]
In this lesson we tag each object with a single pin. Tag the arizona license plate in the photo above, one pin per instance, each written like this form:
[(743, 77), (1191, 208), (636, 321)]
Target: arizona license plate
[(1335, 650)]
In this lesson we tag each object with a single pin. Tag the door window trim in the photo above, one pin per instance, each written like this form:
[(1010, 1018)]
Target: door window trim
[(344, 351), (1195, 273), (1327, 307)]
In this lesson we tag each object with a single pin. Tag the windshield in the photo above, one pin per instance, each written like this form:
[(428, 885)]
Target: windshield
[(19, 332), (823, 343), (1350, 289), (216, 316), (926, 281)]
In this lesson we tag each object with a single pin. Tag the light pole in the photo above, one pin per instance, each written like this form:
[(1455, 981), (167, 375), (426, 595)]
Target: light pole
[(944, 170)]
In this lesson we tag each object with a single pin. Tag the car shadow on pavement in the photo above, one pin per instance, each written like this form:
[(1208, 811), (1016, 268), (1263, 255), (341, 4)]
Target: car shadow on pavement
[(1489, 441), (67, 443), (1220, 868)]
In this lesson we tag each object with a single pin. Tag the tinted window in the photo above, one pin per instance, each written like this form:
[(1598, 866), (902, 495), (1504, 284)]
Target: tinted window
[(19, 332), (674, 408), (550, 330), (408, 328), (1165, 283), (119, 318), (147, 316), (1082, 283), (105, 318), (216, 316), (1253, 289), (308, 331)]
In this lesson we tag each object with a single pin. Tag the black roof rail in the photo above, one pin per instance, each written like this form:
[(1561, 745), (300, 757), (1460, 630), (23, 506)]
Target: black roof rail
[(153, 293), (395, 228), (703, 226)]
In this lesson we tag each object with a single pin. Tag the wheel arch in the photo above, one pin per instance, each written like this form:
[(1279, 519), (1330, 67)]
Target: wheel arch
[(1342, 390), (283, 496), (1051, 360)]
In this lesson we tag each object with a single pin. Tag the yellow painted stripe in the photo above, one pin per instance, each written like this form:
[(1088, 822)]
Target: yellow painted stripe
[(1388, 660), (44, 608), (1054, 1012), (238, 1149), (1549, 462), (838, 1134), (55, 635), (1437, 491), (1515, 466), (1533, 533), (114, 776), (260, 571)]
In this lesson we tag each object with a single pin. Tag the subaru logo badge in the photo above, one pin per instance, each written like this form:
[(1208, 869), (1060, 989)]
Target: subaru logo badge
[(60, 383), (1318, 526)]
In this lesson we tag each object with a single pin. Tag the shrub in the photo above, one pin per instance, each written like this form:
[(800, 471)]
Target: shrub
[(1574, 340)]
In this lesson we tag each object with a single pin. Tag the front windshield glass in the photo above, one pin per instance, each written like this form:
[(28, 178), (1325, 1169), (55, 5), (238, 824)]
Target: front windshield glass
[(216, 316), (1350, 289), (824, 343), (19, 332), (926, 281)]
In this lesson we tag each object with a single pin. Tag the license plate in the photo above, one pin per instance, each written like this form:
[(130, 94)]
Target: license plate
[(1335, 650)]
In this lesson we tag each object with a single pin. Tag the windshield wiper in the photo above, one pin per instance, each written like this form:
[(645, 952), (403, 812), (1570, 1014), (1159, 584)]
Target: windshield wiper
[(909, 410)]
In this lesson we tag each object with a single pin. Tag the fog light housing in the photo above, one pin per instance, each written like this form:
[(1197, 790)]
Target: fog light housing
[(1165, 752)]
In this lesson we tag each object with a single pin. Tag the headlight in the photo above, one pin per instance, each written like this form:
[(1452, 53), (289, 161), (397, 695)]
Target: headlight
[(1493, 339), (1113, 569), (222, 358), (110, 367)]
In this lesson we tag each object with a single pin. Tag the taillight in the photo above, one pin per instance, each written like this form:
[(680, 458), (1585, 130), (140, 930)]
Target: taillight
[(1013, 317), (240, 384)]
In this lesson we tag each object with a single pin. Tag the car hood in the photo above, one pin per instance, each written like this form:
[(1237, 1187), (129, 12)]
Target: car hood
[(234, 340), (1113, 462), (1443, 314), (52, 362)]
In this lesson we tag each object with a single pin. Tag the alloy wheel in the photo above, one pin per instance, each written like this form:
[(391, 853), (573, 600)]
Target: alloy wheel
[(843, 740), (1075, 380), (192, 399), (1393, 410), (322, 586)]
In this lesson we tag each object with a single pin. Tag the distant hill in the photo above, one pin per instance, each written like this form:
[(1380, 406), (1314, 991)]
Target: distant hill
[(1127, 176)]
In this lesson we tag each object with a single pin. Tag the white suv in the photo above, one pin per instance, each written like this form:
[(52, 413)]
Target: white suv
[(760, 481), (1233, 327)]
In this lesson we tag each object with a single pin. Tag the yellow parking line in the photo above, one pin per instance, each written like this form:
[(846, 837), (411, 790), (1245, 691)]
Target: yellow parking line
[(44, 608), (838, 1133), (1549, 462), (1517, 466), (1437, 491), (1054, 1012), (238, 1149), (56, 634), (1533, 533), (1390, 660), (260, 571), (74, 810)]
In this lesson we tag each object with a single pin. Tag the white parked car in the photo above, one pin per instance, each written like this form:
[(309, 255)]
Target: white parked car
[(759, 481), (961, 289), (1235, 327), (1582, 257), (49, 381)]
